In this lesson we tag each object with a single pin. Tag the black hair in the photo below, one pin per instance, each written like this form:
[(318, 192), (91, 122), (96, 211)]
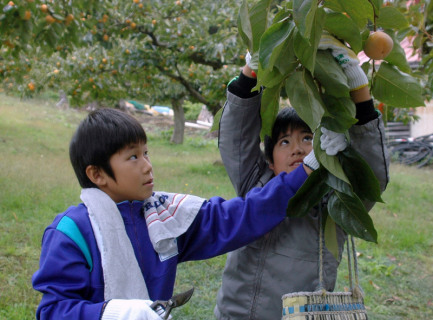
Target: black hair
[(286, 118), (100, 135)]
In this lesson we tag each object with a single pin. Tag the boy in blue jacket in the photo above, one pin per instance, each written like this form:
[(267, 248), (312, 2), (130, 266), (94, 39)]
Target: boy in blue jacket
[(112, 255)]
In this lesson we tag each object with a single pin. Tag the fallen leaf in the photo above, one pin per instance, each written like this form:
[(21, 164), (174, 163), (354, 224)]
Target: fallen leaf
[(375, 286)]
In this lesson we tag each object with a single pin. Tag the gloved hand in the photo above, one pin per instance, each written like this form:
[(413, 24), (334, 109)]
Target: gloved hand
[(132, 309), (310, 161), (332, 142), (252, 61), (347, 59)]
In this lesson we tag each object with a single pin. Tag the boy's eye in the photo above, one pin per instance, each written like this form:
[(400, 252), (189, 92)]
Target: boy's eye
[(284, 142), (308, 138), (133, 157)]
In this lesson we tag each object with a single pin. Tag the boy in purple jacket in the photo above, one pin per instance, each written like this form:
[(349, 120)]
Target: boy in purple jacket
[(112, 255)]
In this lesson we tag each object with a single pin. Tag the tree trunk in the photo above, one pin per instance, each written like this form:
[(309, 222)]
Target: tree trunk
[(179, 121)]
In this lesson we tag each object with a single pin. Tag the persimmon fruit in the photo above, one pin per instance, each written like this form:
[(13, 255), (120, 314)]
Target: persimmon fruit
[(378, 45)]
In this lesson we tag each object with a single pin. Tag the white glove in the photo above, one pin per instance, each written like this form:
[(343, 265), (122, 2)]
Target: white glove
[(133, 309), (248, 59), (310, 161), (347, 59), (332, 142), (252, 61)]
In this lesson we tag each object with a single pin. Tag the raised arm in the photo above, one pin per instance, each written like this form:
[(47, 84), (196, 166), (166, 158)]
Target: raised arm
[(239, 133)]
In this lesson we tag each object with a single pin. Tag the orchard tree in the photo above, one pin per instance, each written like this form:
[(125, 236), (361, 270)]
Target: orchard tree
[(283, 41), (158, 51)]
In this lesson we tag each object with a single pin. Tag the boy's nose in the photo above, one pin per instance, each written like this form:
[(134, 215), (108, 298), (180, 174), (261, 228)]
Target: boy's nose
[(297, 149), (147, 165)]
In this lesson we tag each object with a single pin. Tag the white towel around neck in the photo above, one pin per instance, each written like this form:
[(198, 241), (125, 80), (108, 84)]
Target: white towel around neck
[(168, 216)]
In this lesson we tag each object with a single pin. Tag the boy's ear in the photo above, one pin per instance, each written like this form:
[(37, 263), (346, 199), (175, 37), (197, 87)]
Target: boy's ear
[(96, 175), (271, 165)]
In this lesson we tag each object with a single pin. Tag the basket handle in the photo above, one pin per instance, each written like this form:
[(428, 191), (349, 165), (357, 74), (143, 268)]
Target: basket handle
[(356, 289)]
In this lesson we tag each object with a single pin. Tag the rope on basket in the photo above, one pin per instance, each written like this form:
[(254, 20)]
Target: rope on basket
[(324, 305)]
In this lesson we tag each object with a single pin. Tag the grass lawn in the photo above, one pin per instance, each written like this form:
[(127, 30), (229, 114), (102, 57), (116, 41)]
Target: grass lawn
[(37, 182)]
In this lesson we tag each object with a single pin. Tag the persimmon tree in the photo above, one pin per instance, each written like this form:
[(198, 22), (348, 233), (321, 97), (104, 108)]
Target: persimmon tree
[(283, 39), (103, 51)]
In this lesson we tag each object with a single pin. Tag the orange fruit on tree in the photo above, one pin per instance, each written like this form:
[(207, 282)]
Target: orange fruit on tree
[(153, 21), (50, 19), (27, 15), (11, 3), (105, 37), (31, 86), (69, 18), (378, 45), (44, 8), (133, 25)]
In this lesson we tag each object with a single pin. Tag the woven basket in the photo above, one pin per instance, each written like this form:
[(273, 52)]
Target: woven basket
[(325, 305), (320, 305)]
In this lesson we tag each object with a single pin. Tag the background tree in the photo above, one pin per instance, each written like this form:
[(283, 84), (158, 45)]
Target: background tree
[(158, 51), (103, 51)]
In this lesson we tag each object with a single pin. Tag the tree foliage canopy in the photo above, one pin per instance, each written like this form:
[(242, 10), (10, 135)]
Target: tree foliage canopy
[(284, 40), (106, 50)]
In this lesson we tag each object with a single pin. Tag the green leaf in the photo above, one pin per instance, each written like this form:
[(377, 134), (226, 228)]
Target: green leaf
[(269, 109), (304, 12), (286, 61), (340, 114), (216, 120), (331, 240), (330, 75), (331, 163), (305, 98), (308, 195), (362, 178), (306, 48), (397, 56), (273, 41), (344, 28), (377, 4), (259, 21), (269, 77), (350, 214), (391, 18), (244, 25), (397, 88), (338, 184), (360, 11)]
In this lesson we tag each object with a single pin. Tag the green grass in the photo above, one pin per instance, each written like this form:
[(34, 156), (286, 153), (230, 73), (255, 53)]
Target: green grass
[(37, 182)]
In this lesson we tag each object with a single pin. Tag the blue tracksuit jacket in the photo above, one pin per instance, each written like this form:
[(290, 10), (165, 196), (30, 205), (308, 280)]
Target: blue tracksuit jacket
[(73, 288)]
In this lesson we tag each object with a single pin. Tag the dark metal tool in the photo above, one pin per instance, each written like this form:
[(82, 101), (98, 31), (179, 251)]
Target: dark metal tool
[(176, 301)]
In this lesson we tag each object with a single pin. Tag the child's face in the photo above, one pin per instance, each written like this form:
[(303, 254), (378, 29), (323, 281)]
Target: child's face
[(290, 150), (133, 171)]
